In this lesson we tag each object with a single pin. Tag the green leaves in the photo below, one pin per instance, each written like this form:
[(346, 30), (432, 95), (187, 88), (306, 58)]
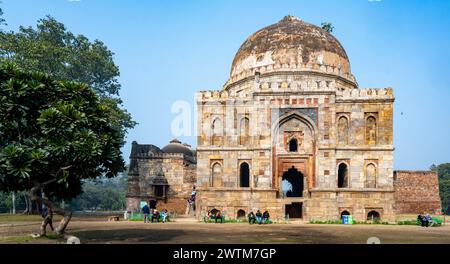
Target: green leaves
[(57, 130), (52, 49), (16, 161), (61, 108), (443, 171)]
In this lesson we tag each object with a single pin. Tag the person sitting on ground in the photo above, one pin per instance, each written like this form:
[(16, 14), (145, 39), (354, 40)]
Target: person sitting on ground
[(207, 216), (218, 216), (258, 217), (251, 218), (265, 217), (164, 215), (423, 220), (155, 215), (146, 212), (420, 220), (429, 220)]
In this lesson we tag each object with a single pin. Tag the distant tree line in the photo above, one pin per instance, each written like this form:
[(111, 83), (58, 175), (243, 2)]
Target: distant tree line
[(98, 195), (443, 171), (102, 195)]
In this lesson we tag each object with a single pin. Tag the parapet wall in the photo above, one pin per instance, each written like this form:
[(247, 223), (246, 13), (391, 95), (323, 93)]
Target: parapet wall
[(416, 192), (311, 86)]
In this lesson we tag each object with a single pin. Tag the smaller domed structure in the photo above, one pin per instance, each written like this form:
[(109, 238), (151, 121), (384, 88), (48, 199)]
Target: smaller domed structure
[(175, 146)]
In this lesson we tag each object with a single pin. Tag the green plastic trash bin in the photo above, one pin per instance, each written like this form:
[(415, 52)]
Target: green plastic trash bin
[(350, 220)]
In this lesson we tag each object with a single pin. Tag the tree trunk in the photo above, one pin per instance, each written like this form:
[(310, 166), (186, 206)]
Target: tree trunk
[(29, 203), (26, 211), (33, 205), (36, 196), (67, 215), (14, 202)]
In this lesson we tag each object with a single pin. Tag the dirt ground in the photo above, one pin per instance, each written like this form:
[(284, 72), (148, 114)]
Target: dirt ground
[(97, 230)]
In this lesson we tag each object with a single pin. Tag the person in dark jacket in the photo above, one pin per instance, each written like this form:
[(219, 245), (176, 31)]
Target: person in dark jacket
[(155, 215), (251, 218), (146, 212), (219, 217), (265, 216), (47, 214)]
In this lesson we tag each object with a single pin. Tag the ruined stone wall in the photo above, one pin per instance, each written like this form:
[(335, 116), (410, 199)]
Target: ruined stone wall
[(326, 205), (416, 192), (180, 172), (230, 201), (173, 205)]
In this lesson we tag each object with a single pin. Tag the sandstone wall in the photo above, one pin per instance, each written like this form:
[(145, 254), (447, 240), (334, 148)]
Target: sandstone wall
[(416, 192), (326, 205)]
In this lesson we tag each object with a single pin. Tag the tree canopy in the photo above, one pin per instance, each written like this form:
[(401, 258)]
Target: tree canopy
[(54, 133), (52, 49)]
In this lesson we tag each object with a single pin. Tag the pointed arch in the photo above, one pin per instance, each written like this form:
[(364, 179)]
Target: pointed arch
[(244, 131), (371, 130), (244, 175), (343, 175), (343, 130), (216, 175), (217, 131), (293, 115), (371, 176)]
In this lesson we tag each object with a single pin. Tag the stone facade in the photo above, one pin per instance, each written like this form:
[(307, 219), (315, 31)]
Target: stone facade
[(417, 192), (304, 120), (290, 132), (177, 165)]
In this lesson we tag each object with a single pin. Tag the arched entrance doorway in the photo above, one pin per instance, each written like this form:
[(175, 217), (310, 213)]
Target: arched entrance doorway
[(345, 213), (373, 216), (292, 183), (240, 214)]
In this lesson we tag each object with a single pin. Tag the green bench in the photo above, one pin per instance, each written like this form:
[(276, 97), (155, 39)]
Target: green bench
[(212, 219), (140, 217), (435, 222)]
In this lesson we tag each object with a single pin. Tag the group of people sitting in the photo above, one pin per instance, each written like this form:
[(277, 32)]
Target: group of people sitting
[(213, 215), (260, 218), (150, 215), (425, 220)]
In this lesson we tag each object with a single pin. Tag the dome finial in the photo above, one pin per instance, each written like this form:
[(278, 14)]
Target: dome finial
[(290, 18), (175, 140)]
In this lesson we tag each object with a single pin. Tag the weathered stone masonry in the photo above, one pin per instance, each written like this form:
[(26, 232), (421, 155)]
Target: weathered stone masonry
[(417, 191), (290, 132)]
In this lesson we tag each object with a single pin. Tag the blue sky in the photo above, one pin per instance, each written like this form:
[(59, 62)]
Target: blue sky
[(168, 50)]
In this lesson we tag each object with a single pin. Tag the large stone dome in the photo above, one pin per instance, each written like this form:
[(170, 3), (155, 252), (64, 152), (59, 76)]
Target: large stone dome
[(291, 44)]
